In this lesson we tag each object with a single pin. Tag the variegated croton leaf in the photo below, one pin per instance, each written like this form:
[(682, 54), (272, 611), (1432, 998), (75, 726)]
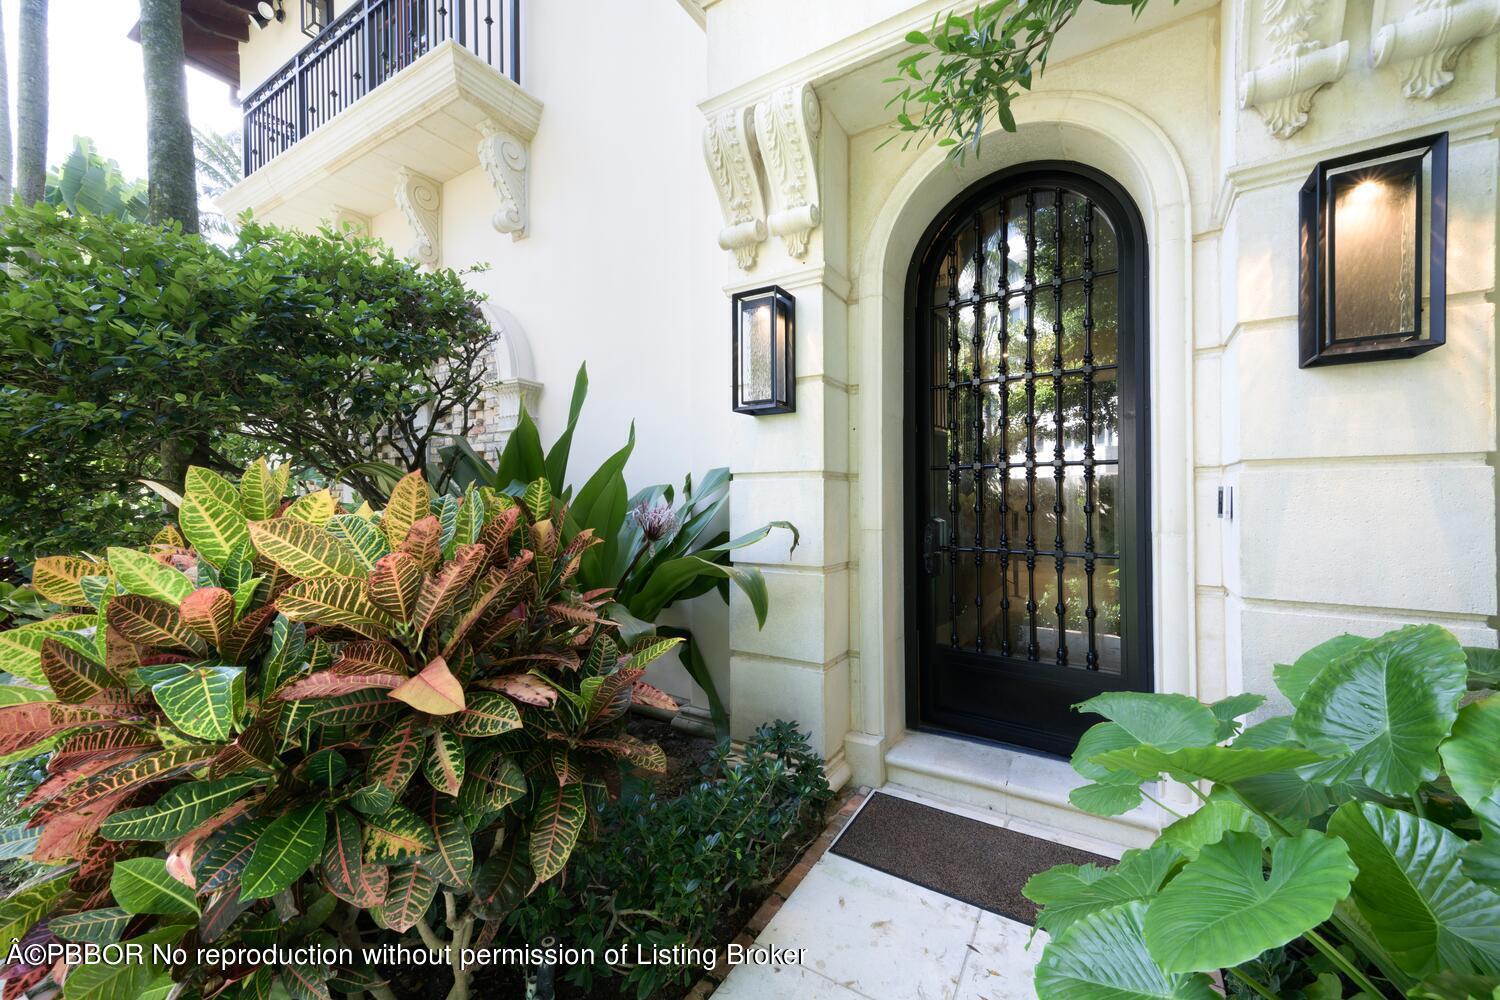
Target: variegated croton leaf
[(237, 714)]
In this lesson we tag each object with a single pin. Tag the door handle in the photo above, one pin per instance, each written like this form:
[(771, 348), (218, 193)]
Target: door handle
[(934, 537)]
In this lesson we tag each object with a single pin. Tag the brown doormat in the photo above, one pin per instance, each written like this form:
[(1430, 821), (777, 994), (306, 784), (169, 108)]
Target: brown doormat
[(973, 862)]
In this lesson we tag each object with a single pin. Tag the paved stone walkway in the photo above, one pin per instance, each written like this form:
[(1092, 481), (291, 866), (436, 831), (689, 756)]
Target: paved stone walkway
[(866, 934)]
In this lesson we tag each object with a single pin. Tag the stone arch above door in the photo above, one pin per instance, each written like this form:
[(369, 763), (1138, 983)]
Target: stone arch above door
[(1122, 142)]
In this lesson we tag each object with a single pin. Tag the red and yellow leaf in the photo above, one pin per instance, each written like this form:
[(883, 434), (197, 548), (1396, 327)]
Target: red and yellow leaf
[(57, 579), (555, 827), (397, 755), (525, 688), (408, 504), (208, 613), (146, 621), (73, 677), (411, 892), (394, 584), (435, 690), (441, 590)]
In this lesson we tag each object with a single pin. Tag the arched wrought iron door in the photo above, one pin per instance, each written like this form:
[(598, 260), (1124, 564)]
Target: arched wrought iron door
[(1029, 551)]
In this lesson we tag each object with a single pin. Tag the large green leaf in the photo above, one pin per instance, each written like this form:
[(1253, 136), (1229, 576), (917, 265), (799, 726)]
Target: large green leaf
[(286, 849), (1209, 824), (21, 648), (1164, 721), (180, 810), (1222, 909), (1293, 678), (600, 504), (305, 550), (204, 700), (557, 455), (1068, 893), (521, 461), (103, 926), (134, 979), (1411, 891), (1103, 957), (142, 885), (1472, 754), (212, 525), (140, 574), (1388, 705), (1225, 765), (1291, 795), (1484, 668)]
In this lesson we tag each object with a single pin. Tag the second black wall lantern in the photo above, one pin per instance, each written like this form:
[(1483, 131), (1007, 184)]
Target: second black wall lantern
[(1374, 230)]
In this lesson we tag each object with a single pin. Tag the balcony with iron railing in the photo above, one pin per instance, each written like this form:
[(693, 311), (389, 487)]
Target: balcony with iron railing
[(367, 45), (389, 102)]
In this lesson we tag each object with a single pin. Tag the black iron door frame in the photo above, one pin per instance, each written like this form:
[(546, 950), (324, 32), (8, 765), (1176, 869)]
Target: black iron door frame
[(1134, 416)]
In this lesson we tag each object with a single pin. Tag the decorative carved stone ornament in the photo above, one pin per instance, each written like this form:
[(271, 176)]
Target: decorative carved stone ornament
[(420, 199), (787, 126), (1425, 39), (505, 159), (1303, 52), (344, 220), (729, 149)]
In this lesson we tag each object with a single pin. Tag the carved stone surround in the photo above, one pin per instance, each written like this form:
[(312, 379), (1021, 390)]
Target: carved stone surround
[(1300, 43), (1296, 48), (775, 138), (1423, 40)]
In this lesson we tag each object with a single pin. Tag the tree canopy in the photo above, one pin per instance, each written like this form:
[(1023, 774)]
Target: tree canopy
[(117, 338)]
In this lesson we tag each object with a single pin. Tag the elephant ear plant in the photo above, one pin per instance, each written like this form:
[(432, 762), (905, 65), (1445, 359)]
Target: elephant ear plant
[(288, 724), (658, 548), (1356, 840)]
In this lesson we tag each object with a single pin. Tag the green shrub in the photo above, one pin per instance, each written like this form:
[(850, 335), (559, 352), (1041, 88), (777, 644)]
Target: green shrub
[(1351, 848), (667, 873), (293, 724), (130, 351)]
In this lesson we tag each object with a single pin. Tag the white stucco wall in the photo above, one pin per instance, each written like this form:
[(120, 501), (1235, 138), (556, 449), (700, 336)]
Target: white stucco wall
[(1364, 494)]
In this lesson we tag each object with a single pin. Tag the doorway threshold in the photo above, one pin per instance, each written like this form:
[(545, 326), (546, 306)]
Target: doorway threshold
[(1020, 786)]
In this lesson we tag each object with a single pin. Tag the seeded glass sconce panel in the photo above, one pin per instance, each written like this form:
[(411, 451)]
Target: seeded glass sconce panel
[(316, 14), (764, 328), (1373, 254)]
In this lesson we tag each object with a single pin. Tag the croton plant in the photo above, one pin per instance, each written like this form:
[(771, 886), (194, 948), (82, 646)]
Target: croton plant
[(291, 723)]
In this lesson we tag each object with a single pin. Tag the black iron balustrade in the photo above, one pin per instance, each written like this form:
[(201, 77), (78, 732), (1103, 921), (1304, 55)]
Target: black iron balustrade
[(362, 48)]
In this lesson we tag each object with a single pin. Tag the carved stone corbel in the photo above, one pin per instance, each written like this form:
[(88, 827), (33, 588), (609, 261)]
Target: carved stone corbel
[(1428, 39), (420, 199), (729, 149), (787, 126), (344, 220), (1305, 54), (505, 159)]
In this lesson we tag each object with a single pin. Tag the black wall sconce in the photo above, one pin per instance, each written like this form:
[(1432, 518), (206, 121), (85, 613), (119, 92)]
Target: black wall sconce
[(315, 16), (765, 340), (266, 12), (1374, 245)]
